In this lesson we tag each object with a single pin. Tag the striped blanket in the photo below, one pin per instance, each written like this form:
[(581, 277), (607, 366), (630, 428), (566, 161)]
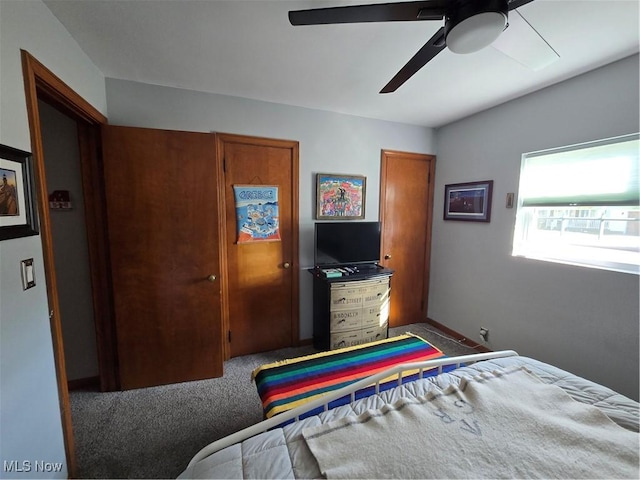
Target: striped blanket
[(291, 383)]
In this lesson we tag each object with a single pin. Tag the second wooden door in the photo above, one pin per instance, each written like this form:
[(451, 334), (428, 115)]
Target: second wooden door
[(162, 209), (406, 211), (261, 289)]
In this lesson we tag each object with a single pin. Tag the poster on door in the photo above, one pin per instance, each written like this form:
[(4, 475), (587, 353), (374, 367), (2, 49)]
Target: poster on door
[(257, 213)]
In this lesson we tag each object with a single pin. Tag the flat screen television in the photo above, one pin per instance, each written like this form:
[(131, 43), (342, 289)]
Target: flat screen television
[(346, 243)]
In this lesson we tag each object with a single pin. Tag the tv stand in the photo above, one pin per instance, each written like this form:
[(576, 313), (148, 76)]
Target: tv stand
[(352, 272), (351, 309), (368, 268)]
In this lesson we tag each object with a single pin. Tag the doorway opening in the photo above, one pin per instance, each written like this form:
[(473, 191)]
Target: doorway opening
[(42, 85), (59, 134)]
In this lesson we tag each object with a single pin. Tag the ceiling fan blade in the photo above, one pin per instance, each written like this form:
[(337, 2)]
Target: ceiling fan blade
[(521, 42), (513, 4), (381, 12), (430, 49)]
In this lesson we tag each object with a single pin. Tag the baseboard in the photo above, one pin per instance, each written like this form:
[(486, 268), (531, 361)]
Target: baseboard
[(79, 383), (461, 338)]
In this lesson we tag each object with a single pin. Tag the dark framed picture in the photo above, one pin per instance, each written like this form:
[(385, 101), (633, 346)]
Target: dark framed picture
[(17, 211), (340, 196), (470, 201)]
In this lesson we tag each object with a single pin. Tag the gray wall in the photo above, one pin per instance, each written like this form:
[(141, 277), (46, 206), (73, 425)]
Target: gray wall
[(579, 319), (583, 320), (29, 408), (69, 233), (329, 143)]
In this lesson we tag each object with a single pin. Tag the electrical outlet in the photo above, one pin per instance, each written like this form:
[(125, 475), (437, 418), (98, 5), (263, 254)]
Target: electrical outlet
[(484, 333)]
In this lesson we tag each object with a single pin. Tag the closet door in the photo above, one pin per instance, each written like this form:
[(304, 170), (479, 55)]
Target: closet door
[(262, 283), (406, 212), (162, 209)]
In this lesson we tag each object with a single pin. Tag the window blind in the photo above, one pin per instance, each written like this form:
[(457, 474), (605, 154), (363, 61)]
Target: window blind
[(602, 173)]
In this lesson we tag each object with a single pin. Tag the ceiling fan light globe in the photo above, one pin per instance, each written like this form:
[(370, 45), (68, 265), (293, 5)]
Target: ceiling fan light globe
[(476, 32)]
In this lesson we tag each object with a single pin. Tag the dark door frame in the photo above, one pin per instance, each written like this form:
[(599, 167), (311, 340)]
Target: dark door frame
[(41, 84)]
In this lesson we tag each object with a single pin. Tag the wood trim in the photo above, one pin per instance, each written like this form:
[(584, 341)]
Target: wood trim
[(427, 257), (221, 139), (39, 82), (295, 297), (458, 336), (55, 91), (47, 250), (223, 251), (385, 156), (260, 141), (99, 257)]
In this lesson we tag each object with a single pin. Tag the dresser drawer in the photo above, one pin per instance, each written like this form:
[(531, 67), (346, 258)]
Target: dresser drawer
[(373, 333), (375, 315), (376, 294), (342, 298), (369, 292), (352, 338), (358, 287), (346, 319), (346, 339)]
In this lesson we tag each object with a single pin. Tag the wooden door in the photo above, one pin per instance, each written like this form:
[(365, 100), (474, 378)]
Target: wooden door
[(406, 211), (162, 215), (261, 288)]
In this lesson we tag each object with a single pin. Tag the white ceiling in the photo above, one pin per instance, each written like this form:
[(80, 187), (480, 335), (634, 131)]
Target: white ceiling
[(248, 49)]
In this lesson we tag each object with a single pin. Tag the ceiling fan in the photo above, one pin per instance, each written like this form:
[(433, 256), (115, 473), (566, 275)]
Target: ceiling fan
[(469, 25)]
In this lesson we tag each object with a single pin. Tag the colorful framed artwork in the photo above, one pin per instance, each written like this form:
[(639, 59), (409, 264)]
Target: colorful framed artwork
[(17, 209), (470, 202), (340, 196)]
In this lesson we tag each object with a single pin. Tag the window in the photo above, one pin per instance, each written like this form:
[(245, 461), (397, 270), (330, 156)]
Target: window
[(580, 205)]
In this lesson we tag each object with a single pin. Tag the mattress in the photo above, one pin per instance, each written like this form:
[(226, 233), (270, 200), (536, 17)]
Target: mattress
[(283, 452)]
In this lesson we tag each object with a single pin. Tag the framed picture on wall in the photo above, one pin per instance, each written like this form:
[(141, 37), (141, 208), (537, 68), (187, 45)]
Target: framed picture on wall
[(340, 196), (470, 201), (17, 210)]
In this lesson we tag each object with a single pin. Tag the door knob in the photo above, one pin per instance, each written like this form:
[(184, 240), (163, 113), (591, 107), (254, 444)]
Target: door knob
[(286, 265), (212, 278), (387, 256)]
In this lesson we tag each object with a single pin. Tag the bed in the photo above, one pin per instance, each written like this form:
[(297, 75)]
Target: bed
[(496, 415)]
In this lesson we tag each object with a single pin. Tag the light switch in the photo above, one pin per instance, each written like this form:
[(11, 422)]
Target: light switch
[(510, 197), (28, 275)]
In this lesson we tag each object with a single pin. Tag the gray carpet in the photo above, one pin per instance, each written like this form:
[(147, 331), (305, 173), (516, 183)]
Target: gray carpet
[(154, 432)]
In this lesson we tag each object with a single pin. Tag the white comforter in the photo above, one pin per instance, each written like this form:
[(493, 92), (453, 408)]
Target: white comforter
[(283, 452)]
